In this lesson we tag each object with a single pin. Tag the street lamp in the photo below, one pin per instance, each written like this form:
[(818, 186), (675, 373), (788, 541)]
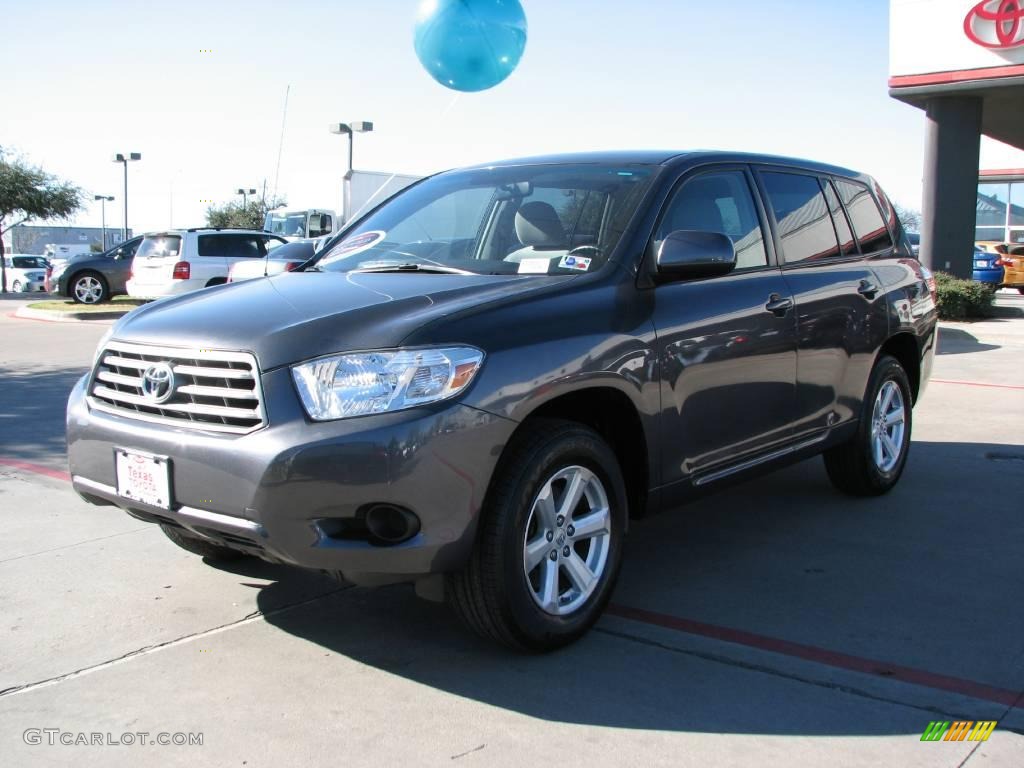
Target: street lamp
[(104, 199), (349, 129), (125, 159), (245, 193)]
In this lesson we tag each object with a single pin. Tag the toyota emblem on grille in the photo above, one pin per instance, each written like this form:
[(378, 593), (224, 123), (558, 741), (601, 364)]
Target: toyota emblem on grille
[(158, 382)]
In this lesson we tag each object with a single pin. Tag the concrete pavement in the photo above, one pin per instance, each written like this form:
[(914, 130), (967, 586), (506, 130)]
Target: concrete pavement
[(776, 623)]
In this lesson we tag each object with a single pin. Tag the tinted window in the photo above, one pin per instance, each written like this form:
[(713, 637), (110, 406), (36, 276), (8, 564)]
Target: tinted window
[(160, 246), (805, 225), (719, 202), (846, 242), (868, 223), (231, 246), (293, 251), (28, 262)]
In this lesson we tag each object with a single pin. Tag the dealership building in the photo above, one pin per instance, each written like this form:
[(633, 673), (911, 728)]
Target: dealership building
[(962, 62)]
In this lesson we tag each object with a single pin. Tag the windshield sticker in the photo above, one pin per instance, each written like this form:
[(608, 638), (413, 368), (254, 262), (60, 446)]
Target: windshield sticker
[(579, 263), (354, 245), (534, 266)]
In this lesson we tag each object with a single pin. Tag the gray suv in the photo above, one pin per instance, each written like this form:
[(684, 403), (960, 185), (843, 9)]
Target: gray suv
[(476, 385)]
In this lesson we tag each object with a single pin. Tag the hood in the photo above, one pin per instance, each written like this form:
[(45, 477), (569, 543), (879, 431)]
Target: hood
[(300, 315)]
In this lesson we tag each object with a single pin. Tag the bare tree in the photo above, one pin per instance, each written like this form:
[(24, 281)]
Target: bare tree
[(910, 217)]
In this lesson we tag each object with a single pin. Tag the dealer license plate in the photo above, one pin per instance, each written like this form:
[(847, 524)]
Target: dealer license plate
[(144, 478)]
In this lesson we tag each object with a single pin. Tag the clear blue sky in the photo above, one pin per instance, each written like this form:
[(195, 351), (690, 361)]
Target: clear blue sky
[(83, 80)]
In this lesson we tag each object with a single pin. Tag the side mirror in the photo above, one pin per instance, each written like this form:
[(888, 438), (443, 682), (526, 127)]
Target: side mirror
[(689, 254)]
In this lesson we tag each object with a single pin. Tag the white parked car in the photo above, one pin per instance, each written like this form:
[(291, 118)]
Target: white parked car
[(183, 260), (25, 273), (283, 259)]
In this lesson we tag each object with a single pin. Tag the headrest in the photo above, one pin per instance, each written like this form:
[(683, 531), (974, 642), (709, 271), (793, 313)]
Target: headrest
[(538, 226)]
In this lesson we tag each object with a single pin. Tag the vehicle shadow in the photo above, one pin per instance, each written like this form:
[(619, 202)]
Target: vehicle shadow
[(955, 341), (910, 578), (32, 424)]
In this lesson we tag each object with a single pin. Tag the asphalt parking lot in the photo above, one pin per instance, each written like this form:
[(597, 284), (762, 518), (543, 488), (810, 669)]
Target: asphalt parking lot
[(777, 623)]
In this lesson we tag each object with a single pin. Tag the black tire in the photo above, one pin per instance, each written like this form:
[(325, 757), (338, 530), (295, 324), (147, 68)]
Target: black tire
[(215, 281), (492, 595), (104, 289), (1020, 290), (16, 286), (198, 546), (852, 467)]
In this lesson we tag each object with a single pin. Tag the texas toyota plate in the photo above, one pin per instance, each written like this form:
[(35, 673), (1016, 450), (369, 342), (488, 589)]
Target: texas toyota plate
[(143, 477)]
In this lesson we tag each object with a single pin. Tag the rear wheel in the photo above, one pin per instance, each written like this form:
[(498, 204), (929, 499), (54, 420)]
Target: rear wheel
[(198, 546), (871, 462), (89, 288), (1020, 290), (550, 540), (16, 286)]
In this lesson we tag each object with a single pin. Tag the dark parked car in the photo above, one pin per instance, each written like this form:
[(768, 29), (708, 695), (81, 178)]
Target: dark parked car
[(476, 385), (988, 269), (92, 278)]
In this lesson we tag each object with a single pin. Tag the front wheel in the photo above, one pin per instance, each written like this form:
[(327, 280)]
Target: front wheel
[(16, 287), (89, 288), (550, 540), (871, 462)]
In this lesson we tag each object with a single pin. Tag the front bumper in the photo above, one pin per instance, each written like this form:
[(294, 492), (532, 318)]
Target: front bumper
[(988, 276), (284, 491)]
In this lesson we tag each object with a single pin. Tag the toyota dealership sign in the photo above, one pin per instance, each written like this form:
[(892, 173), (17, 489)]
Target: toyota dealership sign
[(948, 41)]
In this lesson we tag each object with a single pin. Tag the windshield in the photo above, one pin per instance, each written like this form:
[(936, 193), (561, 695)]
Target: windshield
[(159, 246), (542, 219), (286, 224)]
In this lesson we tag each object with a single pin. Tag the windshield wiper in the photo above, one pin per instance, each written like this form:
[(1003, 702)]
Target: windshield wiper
[(414, 267)]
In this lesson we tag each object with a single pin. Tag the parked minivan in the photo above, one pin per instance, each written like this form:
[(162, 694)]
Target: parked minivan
[(479, 383), (179, 261)]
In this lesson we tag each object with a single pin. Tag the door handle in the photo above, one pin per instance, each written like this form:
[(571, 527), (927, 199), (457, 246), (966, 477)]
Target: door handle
[(868, 289), (778, 305)]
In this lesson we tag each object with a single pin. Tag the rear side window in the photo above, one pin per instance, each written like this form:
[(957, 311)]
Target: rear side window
[(847, 244), (232, 246), (867, 220), (159, 247), (719, 202), (805, 224)]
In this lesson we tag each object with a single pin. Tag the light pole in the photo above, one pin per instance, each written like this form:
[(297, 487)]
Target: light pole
[(245, 193), (124, 160), (104, 199), (349, 129)]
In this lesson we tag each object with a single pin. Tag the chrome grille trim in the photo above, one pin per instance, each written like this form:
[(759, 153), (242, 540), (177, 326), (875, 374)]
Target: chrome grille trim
[(215, 391)]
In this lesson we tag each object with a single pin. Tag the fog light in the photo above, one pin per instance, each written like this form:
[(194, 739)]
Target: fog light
[(389, 524)]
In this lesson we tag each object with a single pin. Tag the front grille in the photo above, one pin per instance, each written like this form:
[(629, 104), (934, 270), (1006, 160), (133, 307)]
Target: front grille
[(210, 390)]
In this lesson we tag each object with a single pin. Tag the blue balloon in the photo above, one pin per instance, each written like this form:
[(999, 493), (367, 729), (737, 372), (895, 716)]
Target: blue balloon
[(470, 45)]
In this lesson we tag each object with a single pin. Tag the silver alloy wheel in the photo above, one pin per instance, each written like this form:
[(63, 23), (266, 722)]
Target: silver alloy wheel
[(888, 423), (88, 289), (568, 535)]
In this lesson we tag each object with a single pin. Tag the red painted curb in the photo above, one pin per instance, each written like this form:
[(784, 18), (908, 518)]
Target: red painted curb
[(973, 384), (37, 469), (823, 656)]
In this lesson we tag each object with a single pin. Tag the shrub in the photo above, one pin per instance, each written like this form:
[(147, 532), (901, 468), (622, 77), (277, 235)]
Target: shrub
[(962, 299)]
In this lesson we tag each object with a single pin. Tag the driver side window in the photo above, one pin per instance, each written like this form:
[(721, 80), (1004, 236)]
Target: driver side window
[(719, 202)]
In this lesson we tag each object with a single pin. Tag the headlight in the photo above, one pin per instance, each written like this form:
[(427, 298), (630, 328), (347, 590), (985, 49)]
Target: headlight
[(359, 384)]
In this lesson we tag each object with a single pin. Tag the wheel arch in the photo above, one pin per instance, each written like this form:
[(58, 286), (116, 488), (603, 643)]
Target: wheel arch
[(612, 414), (905, 348)]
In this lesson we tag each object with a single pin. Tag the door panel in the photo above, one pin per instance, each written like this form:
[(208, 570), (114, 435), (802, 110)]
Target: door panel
[(728, 370), (840, 312), (728, 362)]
